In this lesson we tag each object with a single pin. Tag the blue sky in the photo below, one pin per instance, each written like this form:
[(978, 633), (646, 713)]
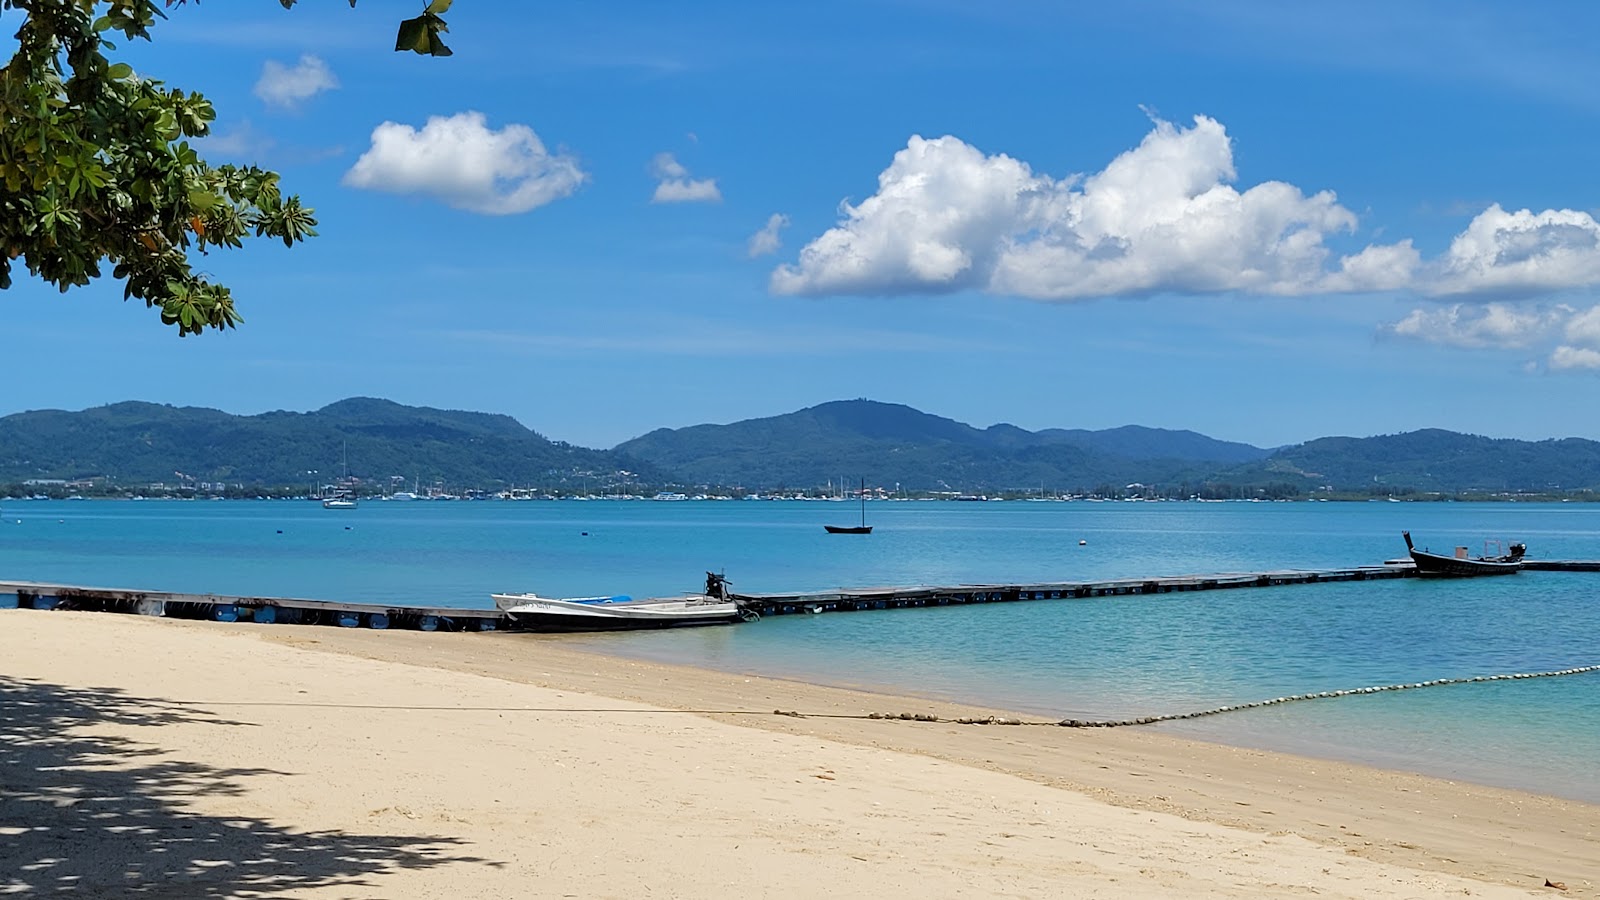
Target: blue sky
[(1264, 222)]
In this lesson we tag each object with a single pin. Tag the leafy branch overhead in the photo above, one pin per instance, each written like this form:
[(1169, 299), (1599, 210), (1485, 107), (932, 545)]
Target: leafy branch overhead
[(97, 168), (419, 35)]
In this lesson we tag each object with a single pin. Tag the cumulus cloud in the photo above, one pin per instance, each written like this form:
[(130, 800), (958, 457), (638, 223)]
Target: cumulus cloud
[(1566, 358), (1521, 253), (673, 184), (1163, 217), (287, 87), (1567, 339), (1160, 217), (1584, 328), (461, 162), (767, 239), (1492, 325), (1581, 349)]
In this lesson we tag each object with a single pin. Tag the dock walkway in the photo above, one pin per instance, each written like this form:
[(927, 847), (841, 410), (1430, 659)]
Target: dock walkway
[(852, 599), (294, 611), (227, 608)]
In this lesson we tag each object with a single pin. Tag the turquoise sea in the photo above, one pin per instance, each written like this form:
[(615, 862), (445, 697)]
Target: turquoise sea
[(1104, 657)]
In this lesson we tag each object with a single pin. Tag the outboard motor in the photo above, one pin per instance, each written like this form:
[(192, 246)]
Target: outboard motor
[(1517, 550), (716, 586)]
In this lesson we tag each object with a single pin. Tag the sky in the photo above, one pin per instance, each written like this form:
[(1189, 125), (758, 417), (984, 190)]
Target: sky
[(1263, 222)]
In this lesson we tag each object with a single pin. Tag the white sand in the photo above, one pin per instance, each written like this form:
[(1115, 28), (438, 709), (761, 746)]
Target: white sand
[(193, 759)]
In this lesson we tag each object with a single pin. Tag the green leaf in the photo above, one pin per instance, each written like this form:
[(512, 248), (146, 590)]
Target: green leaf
[(119, 72), (439, 6), (413, 35)]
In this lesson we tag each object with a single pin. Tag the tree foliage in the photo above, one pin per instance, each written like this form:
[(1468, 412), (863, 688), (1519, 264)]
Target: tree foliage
[(96, 168)]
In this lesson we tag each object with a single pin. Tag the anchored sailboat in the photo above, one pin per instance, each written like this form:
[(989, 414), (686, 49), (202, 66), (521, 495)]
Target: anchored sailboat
[(863, 528), (344, 496)]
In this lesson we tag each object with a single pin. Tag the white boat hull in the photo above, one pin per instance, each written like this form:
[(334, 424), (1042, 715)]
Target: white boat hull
[(536, 613)]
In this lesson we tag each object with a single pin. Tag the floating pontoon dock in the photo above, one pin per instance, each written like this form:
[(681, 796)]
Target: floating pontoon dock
[(293, 611), (225, 608)]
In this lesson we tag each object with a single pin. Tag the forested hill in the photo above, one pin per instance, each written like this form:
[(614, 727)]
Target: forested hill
[(146, 442), (891, 444), (1433, 460), (390, 446)]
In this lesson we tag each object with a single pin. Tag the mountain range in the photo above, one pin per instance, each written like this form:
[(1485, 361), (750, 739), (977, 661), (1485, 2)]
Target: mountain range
[(368, 438), (891, 444), (385, 443)]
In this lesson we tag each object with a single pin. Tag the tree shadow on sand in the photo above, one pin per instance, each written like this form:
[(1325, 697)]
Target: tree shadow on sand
[(101, 814)]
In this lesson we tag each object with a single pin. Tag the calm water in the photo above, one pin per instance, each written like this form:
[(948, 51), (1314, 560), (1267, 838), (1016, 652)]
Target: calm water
[(1115, 657)]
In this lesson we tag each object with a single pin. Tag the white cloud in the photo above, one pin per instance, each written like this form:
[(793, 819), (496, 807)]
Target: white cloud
[(461, 162), (675, 186), (243, 140), (1492, 325), (1163, 217), (1566, 358), (767, 239), (1574, 333), (1521, 253), (1160, 217), (1584, 328), (287, 87)]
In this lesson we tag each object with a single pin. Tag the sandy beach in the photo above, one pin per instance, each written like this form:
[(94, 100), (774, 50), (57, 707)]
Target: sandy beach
[(188, 759)]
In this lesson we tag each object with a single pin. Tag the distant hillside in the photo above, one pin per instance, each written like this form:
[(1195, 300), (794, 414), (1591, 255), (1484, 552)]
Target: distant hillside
[(390, 445), (1433, 460), (1139, 442), (147, 442), (894, 444)]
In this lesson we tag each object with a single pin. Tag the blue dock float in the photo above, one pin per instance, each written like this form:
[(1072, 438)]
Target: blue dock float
[(259, 610)]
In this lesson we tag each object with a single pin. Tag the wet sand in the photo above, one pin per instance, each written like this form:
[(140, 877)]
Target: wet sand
[(196, 759)]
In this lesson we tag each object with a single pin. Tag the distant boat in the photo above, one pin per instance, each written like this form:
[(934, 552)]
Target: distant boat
[(863, 528), (342, 499), (344, 496), (1463, 566), (408, 495)]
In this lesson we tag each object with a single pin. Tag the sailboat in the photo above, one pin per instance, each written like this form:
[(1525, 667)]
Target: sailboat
[(863, 528), (344, 497)]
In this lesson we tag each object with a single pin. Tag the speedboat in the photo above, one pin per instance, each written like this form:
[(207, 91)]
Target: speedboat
[(623, 613), (536, 613)]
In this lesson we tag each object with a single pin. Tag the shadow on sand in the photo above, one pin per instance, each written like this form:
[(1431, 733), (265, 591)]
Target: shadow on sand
[(100, 814)]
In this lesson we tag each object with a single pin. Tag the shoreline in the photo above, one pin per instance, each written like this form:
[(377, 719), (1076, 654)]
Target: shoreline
[(1202, 729), (1500, 842)]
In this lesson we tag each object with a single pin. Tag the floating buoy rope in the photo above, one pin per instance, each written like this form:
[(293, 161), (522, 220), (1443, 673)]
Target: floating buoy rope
[(1214, 711), (929, 717)]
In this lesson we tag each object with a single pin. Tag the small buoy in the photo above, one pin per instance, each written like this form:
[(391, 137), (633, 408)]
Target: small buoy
[(585, 534), (347, 528), (280, 531), (1083, 543)]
